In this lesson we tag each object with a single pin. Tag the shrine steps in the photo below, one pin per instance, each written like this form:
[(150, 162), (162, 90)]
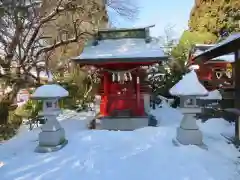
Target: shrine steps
[(122, 123)]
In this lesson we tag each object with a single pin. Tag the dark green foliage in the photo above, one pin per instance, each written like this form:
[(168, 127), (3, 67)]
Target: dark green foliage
[(169, 81), (10, 122), (33, 106), (81, 85), (176, 102), (75, 98), (30, 109), (9, 129), (173, 73)]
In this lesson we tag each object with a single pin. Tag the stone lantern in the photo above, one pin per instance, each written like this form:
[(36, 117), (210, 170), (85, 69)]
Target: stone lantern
[(189, 89), (52, 137), (214, 96)]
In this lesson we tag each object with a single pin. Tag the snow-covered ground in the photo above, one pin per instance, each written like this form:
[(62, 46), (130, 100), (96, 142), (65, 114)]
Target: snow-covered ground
[(143, 154)]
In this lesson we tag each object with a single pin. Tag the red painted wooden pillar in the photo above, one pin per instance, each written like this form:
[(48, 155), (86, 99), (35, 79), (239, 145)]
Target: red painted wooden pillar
[(138, 91), (105, 89)]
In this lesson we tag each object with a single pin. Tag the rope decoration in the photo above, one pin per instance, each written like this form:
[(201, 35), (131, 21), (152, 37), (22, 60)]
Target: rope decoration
[(121, 76)]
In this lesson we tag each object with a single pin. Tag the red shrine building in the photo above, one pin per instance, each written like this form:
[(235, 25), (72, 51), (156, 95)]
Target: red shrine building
[(214, 73), (122, 56)]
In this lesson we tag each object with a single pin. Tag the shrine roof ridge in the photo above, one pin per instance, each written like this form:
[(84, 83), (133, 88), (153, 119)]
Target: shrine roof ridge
[(124, 29)]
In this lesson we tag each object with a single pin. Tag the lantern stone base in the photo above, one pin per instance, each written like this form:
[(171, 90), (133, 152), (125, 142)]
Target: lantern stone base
[(50, 141), (47, 149), (189, 136), (51, 138), (188, 132)]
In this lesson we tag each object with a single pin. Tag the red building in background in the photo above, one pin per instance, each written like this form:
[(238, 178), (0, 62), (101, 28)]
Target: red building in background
[(214, 73)]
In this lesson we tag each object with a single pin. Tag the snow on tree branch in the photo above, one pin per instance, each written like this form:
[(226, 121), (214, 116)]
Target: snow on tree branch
[(125, 8)]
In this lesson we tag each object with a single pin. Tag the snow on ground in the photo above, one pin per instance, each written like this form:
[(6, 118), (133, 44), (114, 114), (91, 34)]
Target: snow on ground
[(147, 153)]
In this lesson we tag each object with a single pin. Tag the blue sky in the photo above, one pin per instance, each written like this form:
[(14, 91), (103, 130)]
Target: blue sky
[(162, 13)]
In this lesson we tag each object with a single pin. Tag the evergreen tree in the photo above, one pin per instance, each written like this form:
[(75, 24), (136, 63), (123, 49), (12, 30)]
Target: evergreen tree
[(218, 17)]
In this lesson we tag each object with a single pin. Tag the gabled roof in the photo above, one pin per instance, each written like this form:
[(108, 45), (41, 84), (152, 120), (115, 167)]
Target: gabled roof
[(230, 58), (229, 45), (121, 50)]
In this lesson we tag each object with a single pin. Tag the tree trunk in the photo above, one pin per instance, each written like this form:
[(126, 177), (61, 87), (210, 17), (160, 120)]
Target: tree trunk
[(6, 101), (4, 113)]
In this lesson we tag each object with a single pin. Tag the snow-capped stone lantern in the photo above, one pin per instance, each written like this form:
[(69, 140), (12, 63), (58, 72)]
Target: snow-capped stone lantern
[(213, 97), (189, 89), (52, 137)]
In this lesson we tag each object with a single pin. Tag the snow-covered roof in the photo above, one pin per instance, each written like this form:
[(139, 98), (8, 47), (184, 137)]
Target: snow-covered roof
[(50, 91), (121, 29), (122, 49), (193, 67), (204, 45), (213, 95), (229, 39), (189, 85), (226, 58)]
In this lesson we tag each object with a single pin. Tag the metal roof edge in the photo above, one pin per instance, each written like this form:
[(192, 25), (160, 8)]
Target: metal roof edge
[(125, 29)]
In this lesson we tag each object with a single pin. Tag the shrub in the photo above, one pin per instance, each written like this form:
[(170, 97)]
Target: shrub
[(9, 129), (30, 109), (33, 106)]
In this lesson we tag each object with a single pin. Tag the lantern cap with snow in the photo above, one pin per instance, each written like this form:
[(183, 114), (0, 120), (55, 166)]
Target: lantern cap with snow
[(189, 88), (49, 91), (213, 95)]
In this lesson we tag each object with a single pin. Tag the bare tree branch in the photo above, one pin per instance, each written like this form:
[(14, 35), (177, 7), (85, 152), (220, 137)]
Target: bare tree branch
[(60, 43), (33, 31)]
